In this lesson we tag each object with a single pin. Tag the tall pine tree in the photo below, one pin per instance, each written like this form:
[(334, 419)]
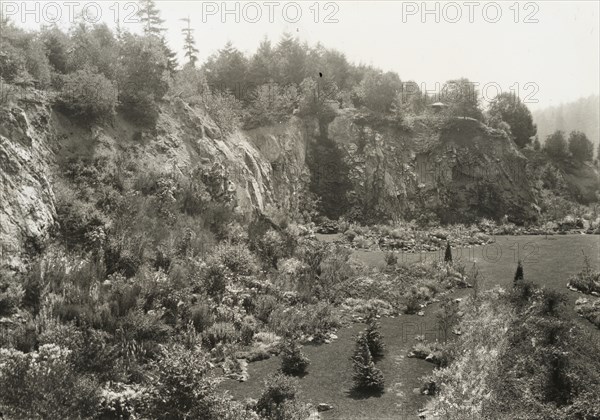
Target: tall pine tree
[(150, 18), (189, 42), (153, 26)]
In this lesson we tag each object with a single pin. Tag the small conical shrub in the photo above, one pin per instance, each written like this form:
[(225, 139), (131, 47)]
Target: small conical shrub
[(374, 337), (448, 254), (293, 361), (366, 376), (519, 272)]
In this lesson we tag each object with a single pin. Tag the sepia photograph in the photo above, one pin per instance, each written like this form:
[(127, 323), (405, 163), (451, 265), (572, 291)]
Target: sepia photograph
[(299, 210)]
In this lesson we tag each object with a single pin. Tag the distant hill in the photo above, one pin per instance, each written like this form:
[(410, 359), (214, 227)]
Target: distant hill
[(582, 115)]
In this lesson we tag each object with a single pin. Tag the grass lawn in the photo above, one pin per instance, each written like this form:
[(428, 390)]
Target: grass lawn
[(546, 261)]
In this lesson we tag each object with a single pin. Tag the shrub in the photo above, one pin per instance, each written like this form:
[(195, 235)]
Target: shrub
[(220, 332), (201, 316), (589, 310), (215, 280), (366, 376), (293, 361), (264, 306), (413, 304), (43, 384), (89, 95), (447, 316), (80, 225), (271, 104), (279, 400), (391, 258), (224, 109), (182, 389), (552, 301), (11, 295), (522, 293), (247, 330), (272, 246), (236, 258), (587, 280)]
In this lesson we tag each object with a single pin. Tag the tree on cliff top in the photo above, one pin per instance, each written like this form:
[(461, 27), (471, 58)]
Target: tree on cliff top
[(150, 17), (189, 42), (508, 107), (462, 99), (581, 147), (556, 145)]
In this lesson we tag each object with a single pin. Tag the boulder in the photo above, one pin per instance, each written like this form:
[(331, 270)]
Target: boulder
[(324, 407)]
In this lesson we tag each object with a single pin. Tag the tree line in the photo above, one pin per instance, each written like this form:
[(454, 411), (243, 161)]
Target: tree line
[(96, 71)]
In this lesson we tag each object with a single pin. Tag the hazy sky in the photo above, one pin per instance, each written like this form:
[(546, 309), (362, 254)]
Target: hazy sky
[(548, 51)]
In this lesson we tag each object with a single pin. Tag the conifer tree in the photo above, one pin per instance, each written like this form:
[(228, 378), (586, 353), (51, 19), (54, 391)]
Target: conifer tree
[(366, 376), (448, 254), (374, 337), (189, 42), (150, 17), (519, 272), (293, 361)]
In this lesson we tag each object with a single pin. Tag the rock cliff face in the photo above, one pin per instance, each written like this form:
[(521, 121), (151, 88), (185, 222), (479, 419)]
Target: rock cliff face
[(368, 169), (459, 171), (26, 197), (265, 168)]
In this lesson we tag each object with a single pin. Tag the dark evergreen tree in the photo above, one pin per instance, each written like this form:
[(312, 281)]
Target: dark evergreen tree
[(448, 254), (509, 108), (374, 337), (262, 64), (581, 147), (293, 361), (226, 70), (189, 42), (519, 272), (150, 17), (171, 56), (556, 146), (290, 60), (366, 376)]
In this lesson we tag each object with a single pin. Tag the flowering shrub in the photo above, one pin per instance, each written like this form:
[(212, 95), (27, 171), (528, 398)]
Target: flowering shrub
[(121, 401), (44, 384), (236, 258), (183, 389)]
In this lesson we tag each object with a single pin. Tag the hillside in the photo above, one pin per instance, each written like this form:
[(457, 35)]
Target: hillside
[(391, 173)]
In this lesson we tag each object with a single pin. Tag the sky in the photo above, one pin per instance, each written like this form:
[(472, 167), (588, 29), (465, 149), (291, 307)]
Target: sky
[(546, 51)]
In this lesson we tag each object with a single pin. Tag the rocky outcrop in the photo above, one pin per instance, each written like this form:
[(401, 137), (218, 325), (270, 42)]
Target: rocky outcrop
[(26, 196), (382, 170), (264, 168), (458, 169)]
